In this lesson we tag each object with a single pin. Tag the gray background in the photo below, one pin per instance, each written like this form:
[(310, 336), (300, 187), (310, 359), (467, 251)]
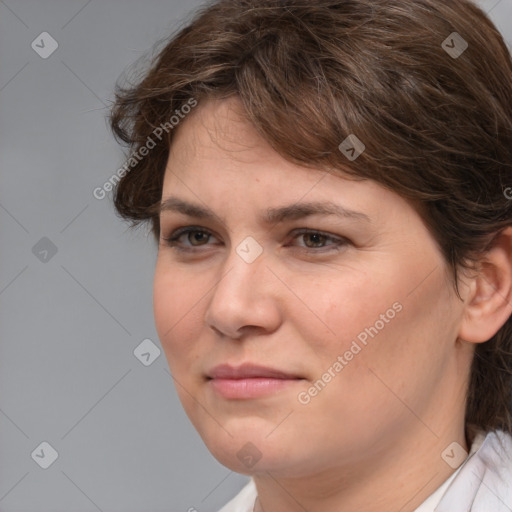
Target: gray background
[(70, 321)]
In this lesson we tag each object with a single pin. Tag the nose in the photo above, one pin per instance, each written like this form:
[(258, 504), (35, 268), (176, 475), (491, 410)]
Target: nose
[(245, 297)]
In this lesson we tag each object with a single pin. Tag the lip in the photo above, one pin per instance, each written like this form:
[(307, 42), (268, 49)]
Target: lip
[(248, 371), (249, 381)]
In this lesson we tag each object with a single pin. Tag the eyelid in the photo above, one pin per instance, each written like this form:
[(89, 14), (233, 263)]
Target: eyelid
[(178, 232), (339, 241), (335, 238)]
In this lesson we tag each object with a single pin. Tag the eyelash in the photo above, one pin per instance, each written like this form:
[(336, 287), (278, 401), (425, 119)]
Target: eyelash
[(172, 240)]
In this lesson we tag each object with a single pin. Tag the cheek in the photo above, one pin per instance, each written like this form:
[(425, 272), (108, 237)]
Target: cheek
[(176, 313), (348, 306), (376, 321), (175, 308), (166, 306), (175, 295)]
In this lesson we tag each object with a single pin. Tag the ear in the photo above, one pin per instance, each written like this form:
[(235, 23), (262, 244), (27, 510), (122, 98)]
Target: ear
[(489, 302)]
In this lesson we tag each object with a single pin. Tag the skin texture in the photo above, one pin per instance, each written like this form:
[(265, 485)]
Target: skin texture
[(372, 438)]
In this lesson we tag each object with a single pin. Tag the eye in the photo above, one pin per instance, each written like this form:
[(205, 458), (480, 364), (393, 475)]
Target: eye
[(198, 236), (318, 237)]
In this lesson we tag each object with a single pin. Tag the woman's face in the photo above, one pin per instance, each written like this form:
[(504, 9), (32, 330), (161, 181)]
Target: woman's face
[(355, 321)]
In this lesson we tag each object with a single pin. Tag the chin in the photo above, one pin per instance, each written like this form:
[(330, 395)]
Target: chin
[(251, 450)]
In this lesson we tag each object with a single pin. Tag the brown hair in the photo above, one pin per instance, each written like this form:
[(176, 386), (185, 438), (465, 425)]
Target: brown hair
[(437, 125)]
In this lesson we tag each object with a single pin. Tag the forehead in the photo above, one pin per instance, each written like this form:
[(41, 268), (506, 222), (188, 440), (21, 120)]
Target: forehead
[(218, 128), (218, 139), (218, 162)]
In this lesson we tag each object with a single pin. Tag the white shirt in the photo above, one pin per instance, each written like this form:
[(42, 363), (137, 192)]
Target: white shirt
[(483, 483)]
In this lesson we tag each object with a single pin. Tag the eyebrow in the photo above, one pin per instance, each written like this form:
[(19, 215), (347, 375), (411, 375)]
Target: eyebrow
[(273, 215)]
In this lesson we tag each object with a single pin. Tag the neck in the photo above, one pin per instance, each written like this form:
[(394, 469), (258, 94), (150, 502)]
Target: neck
[(410, 471)]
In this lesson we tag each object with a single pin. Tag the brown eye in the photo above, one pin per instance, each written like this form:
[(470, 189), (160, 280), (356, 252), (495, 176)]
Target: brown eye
[(186, 238), (194, 235), (195, 238), (318, 240)]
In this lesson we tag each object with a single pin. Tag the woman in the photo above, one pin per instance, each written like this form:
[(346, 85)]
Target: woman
[(333, 289)]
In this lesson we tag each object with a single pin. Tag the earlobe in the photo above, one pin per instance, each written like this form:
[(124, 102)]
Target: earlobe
[(489, 303)]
